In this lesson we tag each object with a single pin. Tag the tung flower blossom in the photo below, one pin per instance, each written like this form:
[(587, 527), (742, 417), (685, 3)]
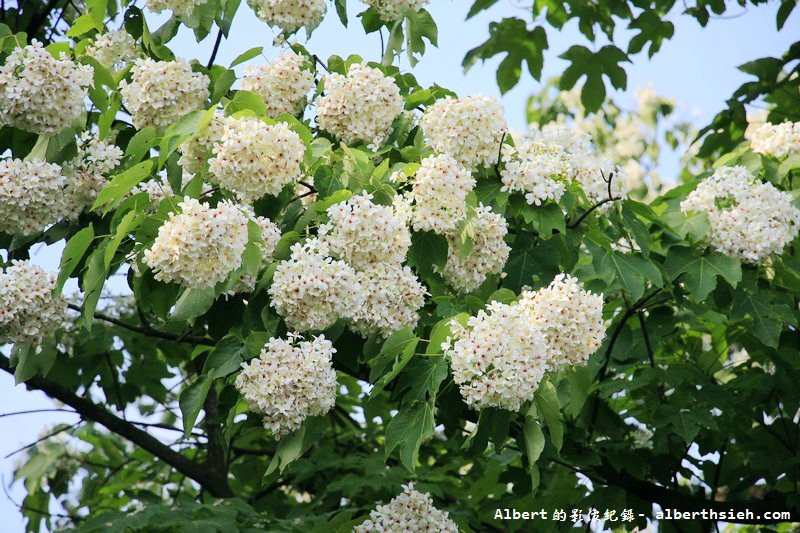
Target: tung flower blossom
[(499, 358), (39, 93), (409, 511), (114, 50), (200, 246), (391, 10), (255, 159), (28, 311), (182, 8), (570, 318), (289, 381), (33, 195), (488, 255), (748, 219), (290, 15), (283, 83), (777, 140), (161, 92), (469, 129), (89, 170), (363, 233), (536, 169), (393, 295), (311, 290), (439, 192), (360, 106)]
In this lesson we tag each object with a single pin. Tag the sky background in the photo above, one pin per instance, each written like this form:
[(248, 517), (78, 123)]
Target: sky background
[(697, 68)]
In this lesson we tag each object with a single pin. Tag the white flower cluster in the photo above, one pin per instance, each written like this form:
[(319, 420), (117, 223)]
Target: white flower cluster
[(289, 381), (570, 318), (32, 195), (88, 170), (393, 295), (391, 10), (776, 140), (161, 92), (39, 93), (748, 219), (311, 290), (196, 151), (469, 129), (499, 359), (283, 84), (410, 511), (374, 240), (488, 255), (594, 178), (200, 246), (290, 15), (28, 311), (181, 8), (114, 50), (439, 193), (363, 233), (254, 158), (360, 106), (535, 168), (582, 163)]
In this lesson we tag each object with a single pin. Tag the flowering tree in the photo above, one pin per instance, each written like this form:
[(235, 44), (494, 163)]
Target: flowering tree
[(356, 303)]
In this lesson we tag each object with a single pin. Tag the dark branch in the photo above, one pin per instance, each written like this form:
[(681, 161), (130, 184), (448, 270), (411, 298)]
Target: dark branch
[(321, 63), (145, 330), (91, 411), (215, 50), (611, 198)]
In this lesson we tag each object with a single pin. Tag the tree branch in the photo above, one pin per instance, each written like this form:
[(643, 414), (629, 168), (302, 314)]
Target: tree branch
[(91, 411), (215, 50), (611, 198), (150, 332)]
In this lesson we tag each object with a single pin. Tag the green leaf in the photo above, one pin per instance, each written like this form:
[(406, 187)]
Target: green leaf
[(594, 66), (428, 250), (191, 401), (406, 431), (422, 377), (246, 56), (227, 357), (630, 270), (122, 184), (193, 303), (189, 125), (694, 225), (129, 222), (547, 404), (73, 253), (397, 349), (521, 263), (534, 440), (580, 379), (767, 319), (479, 6), (93, 281), (546, 219), (701, 270), (246, 101), (512, 37), (419, 25)]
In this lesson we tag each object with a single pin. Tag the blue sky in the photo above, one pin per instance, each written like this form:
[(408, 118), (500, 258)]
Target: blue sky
[(696, 68)]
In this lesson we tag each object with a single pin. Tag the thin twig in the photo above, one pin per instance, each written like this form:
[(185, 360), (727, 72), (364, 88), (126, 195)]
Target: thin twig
[(215, 50), (147, 330), (499, 153), (30, 411), (40, 439), (23, 507), (307, 185), (610, 198), (380, 32), (322, 63)]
